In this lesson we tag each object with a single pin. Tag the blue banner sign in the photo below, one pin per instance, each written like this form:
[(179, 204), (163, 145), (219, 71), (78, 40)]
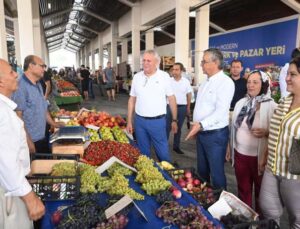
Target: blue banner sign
[(258, 47)]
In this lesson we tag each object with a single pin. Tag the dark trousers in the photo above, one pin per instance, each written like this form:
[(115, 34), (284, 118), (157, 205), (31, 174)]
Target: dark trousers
[(181, 113), (42, 146), (152, 132), (211, 151), (246, 172), (91, 91)]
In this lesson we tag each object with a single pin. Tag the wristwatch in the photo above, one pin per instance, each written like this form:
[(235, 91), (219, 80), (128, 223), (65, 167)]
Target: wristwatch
[(174, 120)]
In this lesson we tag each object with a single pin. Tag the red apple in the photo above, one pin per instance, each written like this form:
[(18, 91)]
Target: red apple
[(196, 182), (177, 194), (189, 180), (189, 186), (172, 188), (56, 217), (187, 174), (182, 183)]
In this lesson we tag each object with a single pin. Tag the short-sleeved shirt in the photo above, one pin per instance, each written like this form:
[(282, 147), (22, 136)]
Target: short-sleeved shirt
[(30, 100), (151, 93), (181, 88), (284, 127), (109, 75)]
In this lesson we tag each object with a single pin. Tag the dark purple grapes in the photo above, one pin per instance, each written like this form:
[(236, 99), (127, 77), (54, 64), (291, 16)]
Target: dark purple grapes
[(185, 217)]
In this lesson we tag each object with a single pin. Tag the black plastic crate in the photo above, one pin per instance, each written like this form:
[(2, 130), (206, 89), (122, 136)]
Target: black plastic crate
[(261, 224), (53, 188)]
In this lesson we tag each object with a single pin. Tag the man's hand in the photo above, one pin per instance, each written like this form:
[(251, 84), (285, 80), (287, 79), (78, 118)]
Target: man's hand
[(259, 132), (34, 205), (58, 124), (174, 127), (129, 127), (228, 153), (31, 146), (194, 130)]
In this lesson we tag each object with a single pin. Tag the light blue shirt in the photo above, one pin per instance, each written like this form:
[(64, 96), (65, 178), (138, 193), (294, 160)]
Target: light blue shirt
[(30, 100)]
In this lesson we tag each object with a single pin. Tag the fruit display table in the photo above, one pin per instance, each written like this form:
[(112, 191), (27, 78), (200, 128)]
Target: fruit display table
[(148, 206), (68, 100)]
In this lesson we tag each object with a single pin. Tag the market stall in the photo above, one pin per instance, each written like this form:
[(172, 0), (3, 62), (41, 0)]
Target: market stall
[(78, 191), (68, 95)]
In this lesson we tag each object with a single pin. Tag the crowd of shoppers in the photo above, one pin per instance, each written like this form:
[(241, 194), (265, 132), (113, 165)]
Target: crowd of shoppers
[(260, 138)]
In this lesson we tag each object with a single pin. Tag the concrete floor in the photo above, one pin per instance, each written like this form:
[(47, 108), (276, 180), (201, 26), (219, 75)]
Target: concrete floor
[(189, 147)]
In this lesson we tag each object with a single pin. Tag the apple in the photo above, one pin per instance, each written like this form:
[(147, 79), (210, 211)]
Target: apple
[(56, 217), (189, 180), (189, 186), (172, 188), (182, 183), (196, 182), (177, 194), (187, 174)]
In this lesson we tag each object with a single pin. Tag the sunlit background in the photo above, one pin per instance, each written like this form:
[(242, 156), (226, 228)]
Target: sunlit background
[(62, 58)]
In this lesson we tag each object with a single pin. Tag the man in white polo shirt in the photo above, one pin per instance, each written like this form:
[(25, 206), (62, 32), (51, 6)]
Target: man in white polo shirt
[(183, 93), (148, 98), (211, 119)]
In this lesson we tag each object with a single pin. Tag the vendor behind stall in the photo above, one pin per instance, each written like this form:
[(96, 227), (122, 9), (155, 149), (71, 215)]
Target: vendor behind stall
[(32, 106), (18, 203)]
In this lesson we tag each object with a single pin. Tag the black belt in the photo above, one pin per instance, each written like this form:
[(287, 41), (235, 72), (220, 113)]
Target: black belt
[(213, 131), (181, 105), (155, 117)]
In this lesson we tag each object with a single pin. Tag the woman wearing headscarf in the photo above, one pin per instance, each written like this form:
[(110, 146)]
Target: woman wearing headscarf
[(281, 181), (249, 134)]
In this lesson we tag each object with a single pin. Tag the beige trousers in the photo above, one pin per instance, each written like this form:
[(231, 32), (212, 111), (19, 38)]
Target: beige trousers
[(13, 213)]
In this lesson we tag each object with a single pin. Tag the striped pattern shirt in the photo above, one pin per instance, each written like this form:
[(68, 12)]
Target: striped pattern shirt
[(284, 127)]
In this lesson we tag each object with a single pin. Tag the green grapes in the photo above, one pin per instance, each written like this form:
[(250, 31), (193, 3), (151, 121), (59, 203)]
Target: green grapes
[(153, 187), (106, 134), (64, 169), (119, 135), (118, 168), (149, 176), (94, 136)]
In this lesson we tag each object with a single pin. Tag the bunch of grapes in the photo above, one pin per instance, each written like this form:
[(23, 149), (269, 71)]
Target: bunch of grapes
[(143, 162), (91, 181), (164, 196), (115, 222), (106, 134), (151, 179), (120, 186), (94, 136), (85, 213), (64, 169), (185, 217), (119, 134), (120, 169)]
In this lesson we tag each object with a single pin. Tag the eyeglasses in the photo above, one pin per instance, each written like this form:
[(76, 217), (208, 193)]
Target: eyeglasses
[(41, 65), (205, 61)]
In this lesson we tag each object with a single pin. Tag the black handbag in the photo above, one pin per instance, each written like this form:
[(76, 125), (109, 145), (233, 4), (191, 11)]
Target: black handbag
[(294, 159)]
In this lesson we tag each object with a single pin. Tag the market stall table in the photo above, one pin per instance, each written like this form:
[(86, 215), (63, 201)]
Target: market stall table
[(148, 206), (68, 102)]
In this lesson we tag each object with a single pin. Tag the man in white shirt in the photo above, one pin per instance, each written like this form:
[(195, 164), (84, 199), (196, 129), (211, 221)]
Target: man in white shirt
[(18, 203), (183, 93), (148, 98), (211, 119)]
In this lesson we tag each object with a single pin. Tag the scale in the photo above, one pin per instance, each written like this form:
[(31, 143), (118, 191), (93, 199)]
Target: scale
[(69, 133)]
